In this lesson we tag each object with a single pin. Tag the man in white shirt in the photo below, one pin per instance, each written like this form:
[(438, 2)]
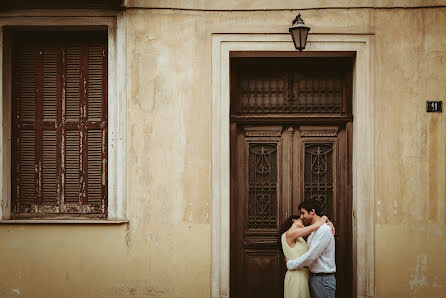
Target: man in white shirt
[(320, 257)]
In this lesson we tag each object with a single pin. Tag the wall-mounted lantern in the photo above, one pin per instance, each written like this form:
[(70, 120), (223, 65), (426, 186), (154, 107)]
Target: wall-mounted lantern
[(299, 32)]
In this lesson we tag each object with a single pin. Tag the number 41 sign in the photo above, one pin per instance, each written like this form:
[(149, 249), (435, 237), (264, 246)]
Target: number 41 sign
[(434, 106)]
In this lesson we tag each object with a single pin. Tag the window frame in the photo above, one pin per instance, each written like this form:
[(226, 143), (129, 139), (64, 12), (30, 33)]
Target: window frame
[(116, 89)]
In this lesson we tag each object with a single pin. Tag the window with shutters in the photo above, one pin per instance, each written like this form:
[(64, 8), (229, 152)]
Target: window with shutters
[(59, 129)]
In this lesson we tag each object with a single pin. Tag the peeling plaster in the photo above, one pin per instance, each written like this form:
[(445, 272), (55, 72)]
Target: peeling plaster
[(190, 213), (16, 291), (118, 289), (132, 291), (421, 228), (420, 278), (395, 207), (438, 232), (154, 292), (127, 236)]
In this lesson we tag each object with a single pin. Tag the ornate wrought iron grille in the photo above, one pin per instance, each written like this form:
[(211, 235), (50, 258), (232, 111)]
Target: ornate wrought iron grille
[(318, 175), (262, 175), (290, 93)]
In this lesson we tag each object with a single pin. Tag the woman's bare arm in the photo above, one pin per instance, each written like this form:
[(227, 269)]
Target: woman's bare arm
[(333, 230), (294, 233)]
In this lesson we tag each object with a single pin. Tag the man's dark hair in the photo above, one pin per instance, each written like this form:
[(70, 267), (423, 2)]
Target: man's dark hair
[(310, 205)]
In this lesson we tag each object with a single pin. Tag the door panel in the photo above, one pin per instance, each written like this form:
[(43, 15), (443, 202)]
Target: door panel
[(257, 211), (273, 169), (325, 172), (262, 270)]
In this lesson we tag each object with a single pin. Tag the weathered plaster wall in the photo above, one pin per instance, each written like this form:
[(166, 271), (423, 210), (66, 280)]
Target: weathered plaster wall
[(165, 249), (410, 153), (103, 261)]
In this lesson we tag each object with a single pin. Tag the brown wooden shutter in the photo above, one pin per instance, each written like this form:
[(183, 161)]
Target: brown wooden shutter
[(60, 124), (23, 167)]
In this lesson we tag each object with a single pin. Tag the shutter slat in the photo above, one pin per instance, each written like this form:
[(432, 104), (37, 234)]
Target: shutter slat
[(49, 84), (94, 184), (27, 79), (73, 59), (72, 174), (95, 77), (27, 166), (49, 168)]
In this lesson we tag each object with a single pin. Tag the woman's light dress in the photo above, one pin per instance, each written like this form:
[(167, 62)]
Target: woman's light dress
[(296, 281)]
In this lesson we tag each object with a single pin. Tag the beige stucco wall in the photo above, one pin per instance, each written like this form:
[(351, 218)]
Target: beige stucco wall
[(410, 153), (165, 249)]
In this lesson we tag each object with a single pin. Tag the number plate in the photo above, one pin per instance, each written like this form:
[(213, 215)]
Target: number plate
[(434, 106)]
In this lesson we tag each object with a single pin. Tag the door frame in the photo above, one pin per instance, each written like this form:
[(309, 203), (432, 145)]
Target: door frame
[(363, 217)]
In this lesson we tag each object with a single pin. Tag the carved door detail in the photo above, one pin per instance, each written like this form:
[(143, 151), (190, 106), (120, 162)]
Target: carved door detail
[(274, 168)]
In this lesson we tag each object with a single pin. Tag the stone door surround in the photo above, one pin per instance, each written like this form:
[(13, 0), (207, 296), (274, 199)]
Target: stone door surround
[(223, 45)]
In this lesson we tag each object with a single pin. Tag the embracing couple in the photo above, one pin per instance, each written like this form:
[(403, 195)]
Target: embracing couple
[(318, 253)]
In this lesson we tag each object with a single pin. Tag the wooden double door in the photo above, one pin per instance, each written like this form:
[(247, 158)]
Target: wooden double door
[(274, 167)]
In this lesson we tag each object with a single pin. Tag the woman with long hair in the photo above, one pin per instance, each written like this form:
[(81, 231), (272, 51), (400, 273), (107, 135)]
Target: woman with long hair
[(292, 232)]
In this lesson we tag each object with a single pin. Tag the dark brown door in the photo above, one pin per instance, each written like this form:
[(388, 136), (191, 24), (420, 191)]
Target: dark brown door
[(275, 168), (280, 157)]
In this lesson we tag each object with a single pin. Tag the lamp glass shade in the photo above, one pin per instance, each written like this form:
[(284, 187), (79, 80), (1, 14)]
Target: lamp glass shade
[(299, 35)]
